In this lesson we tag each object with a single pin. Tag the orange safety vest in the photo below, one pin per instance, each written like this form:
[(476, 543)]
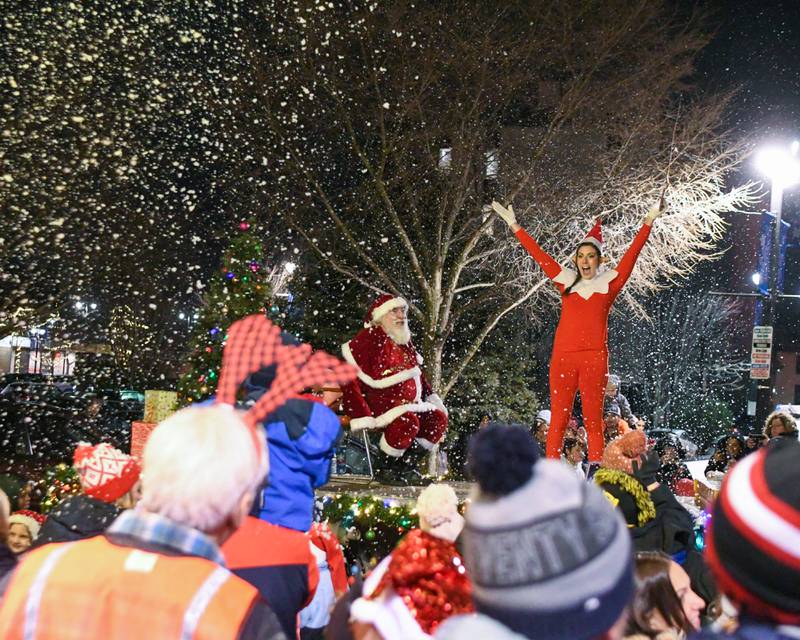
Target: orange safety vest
[(92, 589)]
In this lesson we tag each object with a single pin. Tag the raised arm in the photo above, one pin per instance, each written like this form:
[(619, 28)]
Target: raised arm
[(545, 261), (625, 266)]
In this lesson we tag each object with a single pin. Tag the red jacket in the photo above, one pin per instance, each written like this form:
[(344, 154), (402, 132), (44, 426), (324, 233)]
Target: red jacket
[(584, 321), (278, 562)]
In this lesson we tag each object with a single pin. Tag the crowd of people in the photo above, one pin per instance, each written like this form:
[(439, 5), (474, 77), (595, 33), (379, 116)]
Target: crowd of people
[(570, 531), (211, 535)]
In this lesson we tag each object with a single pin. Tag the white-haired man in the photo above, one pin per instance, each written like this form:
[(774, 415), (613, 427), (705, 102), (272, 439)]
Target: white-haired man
[(157, 571), (391, 391)]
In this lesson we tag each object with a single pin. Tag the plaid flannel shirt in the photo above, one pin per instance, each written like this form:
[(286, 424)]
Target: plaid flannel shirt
[(155, 529)]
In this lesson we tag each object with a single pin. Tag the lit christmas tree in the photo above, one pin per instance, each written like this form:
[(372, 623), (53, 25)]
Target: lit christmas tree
[(239, 289)]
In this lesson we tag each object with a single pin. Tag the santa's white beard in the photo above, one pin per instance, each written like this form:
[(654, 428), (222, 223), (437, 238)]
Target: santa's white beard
[(400, 334)]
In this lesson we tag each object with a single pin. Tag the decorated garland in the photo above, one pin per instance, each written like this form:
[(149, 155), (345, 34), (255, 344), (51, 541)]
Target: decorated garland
[(370, 527)]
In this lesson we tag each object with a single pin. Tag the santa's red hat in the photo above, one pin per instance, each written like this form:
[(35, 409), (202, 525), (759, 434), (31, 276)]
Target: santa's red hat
[(381, 306), (595, 236), (106, 473)]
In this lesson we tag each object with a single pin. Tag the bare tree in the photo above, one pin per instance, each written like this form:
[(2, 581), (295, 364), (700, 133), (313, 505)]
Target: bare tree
[(389, 128), (682, 355)]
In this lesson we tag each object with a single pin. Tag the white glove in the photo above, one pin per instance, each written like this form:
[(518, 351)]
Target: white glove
[(505, 214), (655, 212)]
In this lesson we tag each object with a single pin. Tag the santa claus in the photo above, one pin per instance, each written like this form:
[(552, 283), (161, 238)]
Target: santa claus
[(391, 391)]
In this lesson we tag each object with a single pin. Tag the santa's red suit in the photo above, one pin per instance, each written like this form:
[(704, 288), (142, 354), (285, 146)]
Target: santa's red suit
[(391, 391), (579, 360)]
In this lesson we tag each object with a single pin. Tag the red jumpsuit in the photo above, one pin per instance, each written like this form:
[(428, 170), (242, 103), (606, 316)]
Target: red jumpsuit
[(579, 360)]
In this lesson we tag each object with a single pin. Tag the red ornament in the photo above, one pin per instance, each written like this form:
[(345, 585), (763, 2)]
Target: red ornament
[(429, 575), (244, 225)]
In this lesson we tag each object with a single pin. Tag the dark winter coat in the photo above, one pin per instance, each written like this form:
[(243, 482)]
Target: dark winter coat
[(7, 560), (748, 631), (670, 473), (75, 518), (672, 531)]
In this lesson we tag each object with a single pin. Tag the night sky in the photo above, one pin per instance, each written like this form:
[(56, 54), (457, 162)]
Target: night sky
[(757, 48)]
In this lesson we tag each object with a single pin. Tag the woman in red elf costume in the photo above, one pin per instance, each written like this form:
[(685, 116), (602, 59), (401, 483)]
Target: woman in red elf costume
[(579, 360)]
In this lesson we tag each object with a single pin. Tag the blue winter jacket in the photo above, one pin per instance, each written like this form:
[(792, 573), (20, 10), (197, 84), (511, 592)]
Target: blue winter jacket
[(301, 436)]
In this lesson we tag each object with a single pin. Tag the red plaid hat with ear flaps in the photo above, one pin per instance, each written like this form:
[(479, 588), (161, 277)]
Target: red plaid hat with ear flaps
[(253, 343)]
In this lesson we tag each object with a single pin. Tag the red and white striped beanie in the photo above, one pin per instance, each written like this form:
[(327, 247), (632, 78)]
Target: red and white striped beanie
[(753, 547)]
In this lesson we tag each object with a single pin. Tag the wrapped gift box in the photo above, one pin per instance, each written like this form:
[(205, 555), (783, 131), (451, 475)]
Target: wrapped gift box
[(706, 494), (159, 405), (140, 432)]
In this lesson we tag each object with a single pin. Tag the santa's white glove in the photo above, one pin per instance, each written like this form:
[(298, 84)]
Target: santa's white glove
[(655, 212), (505, 214)]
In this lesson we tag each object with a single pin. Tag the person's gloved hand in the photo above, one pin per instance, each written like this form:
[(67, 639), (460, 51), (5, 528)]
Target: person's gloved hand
[(655, 212), (505, 214), (646, 467)]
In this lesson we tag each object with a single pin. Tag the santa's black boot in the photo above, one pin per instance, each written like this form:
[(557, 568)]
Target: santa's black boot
[(390, 470), (415, 465)]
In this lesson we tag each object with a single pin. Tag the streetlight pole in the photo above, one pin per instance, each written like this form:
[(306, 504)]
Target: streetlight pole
[(783, 170), (763, 391)]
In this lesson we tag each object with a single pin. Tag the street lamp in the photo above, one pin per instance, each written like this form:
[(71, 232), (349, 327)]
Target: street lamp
[(782, 167)]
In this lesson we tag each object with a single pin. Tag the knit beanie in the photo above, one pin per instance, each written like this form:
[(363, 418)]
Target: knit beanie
[(615, 478), (548, 556), (105, 472), (753, 546)]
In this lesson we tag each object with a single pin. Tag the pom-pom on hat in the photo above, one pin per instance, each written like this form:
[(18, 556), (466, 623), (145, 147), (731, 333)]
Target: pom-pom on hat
[(105, 472), (437, 508), (380, 307), (548, 556), (753, 546), (28, 521), (595, 236)]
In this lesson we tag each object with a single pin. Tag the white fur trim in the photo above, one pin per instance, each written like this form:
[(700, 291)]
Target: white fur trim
[(592, 241), (386, 307), (389, 615), (26, 521), (395, 412), (425, 444), (365, 422), (586, 288), (419, 359), (388, 449), (435, 400), (382, 383)]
